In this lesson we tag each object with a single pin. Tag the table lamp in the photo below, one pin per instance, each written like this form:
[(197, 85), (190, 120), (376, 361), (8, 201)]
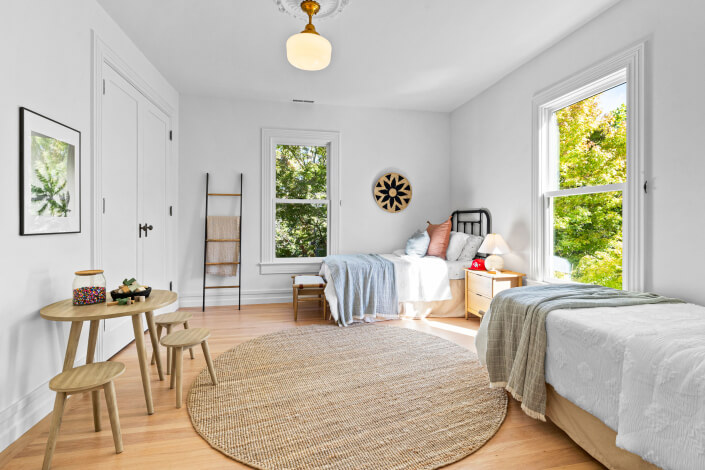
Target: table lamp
[(494, 245)]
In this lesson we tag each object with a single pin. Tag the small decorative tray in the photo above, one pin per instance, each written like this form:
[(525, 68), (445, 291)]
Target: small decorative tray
[(118, 294)]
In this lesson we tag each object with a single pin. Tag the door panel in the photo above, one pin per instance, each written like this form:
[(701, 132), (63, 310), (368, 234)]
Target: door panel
[(153, 206), (119, 150)]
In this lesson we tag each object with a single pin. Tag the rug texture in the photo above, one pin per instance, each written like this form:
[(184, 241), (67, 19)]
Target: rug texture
[(362, 397)]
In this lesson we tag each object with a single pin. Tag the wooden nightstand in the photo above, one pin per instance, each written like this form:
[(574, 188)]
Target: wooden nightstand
[(482, 286)]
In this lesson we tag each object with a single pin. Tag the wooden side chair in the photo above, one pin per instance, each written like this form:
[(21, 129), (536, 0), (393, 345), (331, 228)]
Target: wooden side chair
[(309, 288), (84, 379), (179, 340), (167, 322)]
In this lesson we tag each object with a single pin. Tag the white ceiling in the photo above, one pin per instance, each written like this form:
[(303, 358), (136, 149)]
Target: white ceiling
[(408, 54)]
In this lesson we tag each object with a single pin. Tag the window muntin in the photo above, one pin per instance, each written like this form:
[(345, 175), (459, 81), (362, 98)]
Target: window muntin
[(587, 165)]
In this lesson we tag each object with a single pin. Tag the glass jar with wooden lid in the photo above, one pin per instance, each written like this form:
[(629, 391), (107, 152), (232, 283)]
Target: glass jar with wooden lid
[(89, 287)]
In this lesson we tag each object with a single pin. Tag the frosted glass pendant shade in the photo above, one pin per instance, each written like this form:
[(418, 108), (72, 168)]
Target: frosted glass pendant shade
[(308, 51)]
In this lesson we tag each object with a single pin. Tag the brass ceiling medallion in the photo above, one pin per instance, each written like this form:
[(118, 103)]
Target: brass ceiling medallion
[(392, 192)]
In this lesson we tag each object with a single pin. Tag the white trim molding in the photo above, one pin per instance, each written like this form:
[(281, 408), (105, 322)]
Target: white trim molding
[(270, 264), (627, 66), (249, 297)]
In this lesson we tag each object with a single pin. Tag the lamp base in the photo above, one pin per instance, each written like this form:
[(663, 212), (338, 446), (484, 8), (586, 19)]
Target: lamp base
[(494, 263)]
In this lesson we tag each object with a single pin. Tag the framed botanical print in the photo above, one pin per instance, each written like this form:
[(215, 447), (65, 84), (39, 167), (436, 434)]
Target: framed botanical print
[(50, 176)]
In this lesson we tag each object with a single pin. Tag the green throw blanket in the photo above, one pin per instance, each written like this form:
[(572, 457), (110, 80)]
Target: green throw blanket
[(516, 333)]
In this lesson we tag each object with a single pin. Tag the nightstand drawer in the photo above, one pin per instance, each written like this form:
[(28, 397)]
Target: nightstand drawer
[(478, 302), (480, 285)]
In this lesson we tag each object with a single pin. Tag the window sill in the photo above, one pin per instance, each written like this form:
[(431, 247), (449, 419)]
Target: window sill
[(307, 266)]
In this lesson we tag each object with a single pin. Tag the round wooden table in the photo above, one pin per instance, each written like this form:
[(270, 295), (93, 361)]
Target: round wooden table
[(64, 310)]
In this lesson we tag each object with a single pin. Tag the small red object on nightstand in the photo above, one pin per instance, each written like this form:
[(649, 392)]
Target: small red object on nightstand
[(478, 264)]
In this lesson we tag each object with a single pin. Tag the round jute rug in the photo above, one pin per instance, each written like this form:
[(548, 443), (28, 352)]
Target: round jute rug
[(361, 397)]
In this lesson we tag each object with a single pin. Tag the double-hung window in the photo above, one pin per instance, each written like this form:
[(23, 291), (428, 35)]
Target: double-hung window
[(588, 178), (300, 199)]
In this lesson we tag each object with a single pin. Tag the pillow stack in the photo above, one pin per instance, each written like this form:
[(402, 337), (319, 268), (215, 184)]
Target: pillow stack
[(438, 240)]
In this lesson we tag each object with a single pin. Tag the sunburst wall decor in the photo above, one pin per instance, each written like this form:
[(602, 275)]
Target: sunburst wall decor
[(392, 192)]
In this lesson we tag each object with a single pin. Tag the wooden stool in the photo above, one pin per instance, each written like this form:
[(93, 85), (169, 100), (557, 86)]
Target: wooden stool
[(84, 379), (309, 289), (179, 340), (166, 321)]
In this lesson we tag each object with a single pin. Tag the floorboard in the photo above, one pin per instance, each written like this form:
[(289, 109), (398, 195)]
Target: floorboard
[(167, 439)]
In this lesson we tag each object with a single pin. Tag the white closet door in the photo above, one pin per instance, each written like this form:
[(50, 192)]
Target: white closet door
[(120, 142), (153, 202)]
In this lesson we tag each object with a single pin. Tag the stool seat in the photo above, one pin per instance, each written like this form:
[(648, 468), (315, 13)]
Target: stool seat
[(186, 338), (176, 342), (86, 377), (173, 318), (309, 281)]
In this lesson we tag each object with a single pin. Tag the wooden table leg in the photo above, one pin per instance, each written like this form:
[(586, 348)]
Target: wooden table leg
[(155, 342), (90, 357), (72, 344), (144, 367)]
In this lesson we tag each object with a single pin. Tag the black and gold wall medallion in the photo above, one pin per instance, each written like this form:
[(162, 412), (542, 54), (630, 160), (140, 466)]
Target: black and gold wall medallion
[(392, 192)]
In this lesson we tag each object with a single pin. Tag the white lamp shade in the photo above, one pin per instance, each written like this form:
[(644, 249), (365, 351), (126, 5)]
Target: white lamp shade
[(308, 51), (494, 244)]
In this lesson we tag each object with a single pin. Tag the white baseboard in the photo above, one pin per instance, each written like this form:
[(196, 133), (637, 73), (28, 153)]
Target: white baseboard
[(19, 417), (249, 297)]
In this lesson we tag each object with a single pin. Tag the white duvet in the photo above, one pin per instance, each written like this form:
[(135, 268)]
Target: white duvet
[(639, 369), (417, 279)]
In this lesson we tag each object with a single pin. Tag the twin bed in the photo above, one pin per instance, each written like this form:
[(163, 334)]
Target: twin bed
[(426, 286), (625, 382)]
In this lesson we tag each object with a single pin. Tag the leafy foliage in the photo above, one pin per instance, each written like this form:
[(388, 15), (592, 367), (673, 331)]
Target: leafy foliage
[(50, 165), (588, 228), (301, 227)]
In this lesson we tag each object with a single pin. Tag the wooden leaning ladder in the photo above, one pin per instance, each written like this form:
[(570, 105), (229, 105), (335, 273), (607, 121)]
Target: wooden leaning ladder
[(207, 240)]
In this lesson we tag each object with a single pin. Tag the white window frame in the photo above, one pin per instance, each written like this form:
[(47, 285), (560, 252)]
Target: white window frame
[(270, 264), (627, 66)]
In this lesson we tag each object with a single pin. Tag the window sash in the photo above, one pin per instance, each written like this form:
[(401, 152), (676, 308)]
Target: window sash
[(603, 188), (625, 66), (549, 248), (271, 138)]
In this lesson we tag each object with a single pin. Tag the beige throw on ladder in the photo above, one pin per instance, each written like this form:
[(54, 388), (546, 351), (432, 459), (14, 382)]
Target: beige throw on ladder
[(223, 227)]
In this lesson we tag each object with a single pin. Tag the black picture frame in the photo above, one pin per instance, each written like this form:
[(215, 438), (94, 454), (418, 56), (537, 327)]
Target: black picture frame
[(64, 201)]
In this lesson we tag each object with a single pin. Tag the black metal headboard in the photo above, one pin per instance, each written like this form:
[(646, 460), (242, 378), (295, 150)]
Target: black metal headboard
[(478, 221)]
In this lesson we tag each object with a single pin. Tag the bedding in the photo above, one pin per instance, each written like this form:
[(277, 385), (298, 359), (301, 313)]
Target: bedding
[(416, 280), (456, 243), (417, 245), (440, 236), (364, 284), (641, 376), (595, 356), (471, 247), (516, 333)]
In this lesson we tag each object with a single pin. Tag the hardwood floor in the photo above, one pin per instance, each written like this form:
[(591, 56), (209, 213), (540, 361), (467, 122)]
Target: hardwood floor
[(167, 439)]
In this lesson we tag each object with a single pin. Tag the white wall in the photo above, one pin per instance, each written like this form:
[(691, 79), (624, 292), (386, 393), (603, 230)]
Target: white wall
[(491, 136), (46, 52), (223, 137)]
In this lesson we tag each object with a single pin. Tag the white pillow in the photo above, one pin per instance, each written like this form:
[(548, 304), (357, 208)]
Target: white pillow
[(455, 245), (470, 248)]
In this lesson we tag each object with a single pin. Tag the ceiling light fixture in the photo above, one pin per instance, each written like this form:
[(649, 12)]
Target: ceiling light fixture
[(308, 50)]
